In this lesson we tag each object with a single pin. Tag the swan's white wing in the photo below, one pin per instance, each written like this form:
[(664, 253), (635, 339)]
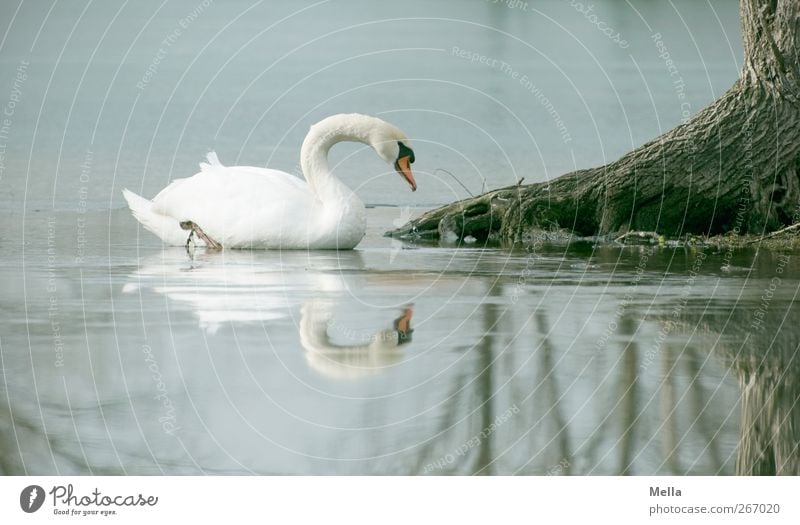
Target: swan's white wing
[(240, 206)]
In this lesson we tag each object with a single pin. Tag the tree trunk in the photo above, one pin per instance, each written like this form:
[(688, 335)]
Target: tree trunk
[(735, 166)]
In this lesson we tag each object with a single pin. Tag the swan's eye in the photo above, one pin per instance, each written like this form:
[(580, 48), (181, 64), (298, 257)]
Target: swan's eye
[(405, 151)]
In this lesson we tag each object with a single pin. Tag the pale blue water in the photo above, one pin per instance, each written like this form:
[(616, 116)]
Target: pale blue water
[(121, 356), (247, 78)]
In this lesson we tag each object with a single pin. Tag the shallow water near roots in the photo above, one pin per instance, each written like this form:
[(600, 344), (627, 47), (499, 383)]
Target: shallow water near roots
[(122, 356)]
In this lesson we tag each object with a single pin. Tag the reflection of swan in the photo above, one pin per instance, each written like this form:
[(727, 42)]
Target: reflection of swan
[(243, 287), (341, 361), (247, 207)]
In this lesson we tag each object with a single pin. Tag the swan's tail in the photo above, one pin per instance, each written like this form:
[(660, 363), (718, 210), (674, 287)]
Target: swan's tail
[(165, 227)]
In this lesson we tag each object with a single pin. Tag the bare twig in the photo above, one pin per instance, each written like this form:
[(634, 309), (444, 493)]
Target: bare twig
[(794, 226), (456, 179)]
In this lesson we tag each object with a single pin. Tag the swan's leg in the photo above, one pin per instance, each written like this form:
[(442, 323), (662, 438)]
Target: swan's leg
[(211, 244), (186, 226)]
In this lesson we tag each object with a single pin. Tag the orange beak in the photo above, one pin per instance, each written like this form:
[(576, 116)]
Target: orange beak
[(403, 323), (403, 168), (403, 326)]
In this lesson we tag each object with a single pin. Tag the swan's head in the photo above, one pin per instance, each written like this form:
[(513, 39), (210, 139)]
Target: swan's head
[(389, 143), (394, 148)]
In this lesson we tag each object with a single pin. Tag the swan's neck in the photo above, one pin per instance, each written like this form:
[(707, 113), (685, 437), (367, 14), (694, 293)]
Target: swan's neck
[(314, 153)]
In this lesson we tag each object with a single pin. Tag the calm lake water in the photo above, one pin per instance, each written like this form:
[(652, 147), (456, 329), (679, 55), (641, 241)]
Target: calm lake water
[(121, 356), (123, 95)]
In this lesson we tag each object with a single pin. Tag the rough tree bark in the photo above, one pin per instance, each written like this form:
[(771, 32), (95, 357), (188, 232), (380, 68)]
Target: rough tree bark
[(735, 166)]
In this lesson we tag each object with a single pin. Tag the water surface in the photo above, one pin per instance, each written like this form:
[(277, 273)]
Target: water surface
[(121, 356), (113, 97)]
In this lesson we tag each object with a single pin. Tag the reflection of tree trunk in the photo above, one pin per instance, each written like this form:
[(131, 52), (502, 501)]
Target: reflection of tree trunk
[(668, 410), (483, 392), (428, 452), (485, 385), (770, 428), (767, 362), (698, 400), (629, 401), (549, 378)]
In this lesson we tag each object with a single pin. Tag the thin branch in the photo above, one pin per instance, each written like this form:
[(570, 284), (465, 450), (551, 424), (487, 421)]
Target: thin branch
[(794, 226)]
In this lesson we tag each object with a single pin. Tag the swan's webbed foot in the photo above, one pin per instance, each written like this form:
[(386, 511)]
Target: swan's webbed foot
[(193, 228)]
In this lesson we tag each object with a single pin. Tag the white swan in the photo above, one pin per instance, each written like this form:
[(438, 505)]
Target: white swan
[(247, 207)]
